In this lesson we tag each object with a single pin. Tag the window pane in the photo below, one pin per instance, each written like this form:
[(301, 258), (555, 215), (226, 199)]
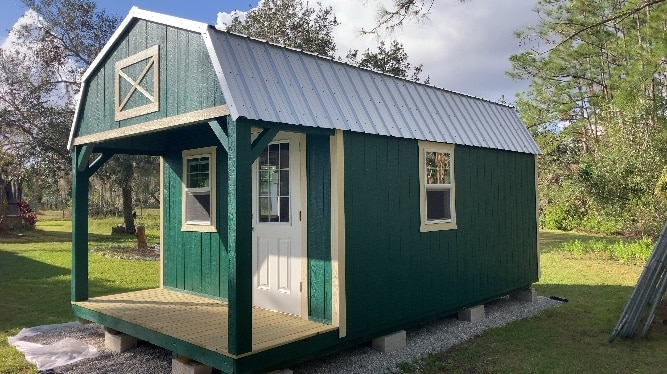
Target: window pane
[(284, 183), (264, 209), (284, 155), (438, 205), (198, 172), (198, 206), (284, 209), (438, 168), (274, 154), (264, 182)]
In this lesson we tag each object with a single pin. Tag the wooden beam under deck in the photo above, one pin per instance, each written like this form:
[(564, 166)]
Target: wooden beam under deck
[(201, 321)]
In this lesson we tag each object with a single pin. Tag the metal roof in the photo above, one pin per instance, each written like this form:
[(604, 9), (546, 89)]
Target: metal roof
[(268, 82), (263, 81)]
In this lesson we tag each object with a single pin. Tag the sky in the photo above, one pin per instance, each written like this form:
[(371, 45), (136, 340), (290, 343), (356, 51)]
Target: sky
[(464, 47)]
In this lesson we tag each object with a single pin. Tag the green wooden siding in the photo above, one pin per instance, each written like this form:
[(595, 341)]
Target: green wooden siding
[(187, 78), (397, 275), (318, 170), (194, 261)]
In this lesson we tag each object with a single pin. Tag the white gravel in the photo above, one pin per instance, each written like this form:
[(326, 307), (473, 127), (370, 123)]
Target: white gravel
[(434, 337)]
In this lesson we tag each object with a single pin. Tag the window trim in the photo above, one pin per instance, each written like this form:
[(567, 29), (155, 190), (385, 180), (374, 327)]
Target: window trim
[(209, 226), (425, 225)]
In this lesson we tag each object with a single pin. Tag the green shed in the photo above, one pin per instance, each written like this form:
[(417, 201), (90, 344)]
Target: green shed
[(307, 205)]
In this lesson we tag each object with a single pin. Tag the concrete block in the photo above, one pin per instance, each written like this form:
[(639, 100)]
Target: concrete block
[(282, 371), (474, 314), (184, 366), (528, 295), (391, 342), (119, 342)]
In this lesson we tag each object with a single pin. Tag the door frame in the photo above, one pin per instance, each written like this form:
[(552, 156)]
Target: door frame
[(303, 201)]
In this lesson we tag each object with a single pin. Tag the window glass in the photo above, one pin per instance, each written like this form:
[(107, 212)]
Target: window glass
[(199, 189), (198, 172), (437, 205), (274, 184), (438, 168)]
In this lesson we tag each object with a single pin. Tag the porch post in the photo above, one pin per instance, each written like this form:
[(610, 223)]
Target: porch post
[(80, 185), (240, 238)]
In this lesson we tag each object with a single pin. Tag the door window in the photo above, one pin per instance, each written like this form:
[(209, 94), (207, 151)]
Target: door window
[(274, 184)]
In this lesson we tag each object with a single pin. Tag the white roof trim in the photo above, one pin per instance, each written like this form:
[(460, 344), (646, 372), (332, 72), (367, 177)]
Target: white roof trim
[(135, 13), (213, 44)]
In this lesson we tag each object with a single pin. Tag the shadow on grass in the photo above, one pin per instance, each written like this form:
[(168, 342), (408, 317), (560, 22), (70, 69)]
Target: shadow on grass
[(36, 293), (42, 236)]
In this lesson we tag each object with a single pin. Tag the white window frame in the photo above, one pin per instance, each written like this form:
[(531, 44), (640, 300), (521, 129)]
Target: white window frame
[(201, 226), (436, 225)]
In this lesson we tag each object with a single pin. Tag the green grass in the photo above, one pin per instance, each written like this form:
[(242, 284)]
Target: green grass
[(35, 276), (572, 338), (35, 286)]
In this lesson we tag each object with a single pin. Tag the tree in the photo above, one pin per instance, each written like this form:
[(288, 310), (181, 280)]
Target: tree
[(402, 11), (39, 80), (392, 60), (290, 23), (596, 105)]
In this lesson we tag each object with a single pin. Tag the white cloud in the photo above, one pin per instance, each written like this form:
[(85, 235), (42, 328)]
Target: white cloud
[(225, 19), (28, 18), (464, 47), (11, 45)]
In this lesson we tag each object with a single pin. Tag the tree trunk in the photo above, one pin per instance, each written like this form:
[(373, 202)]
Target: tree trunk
[(126, 191), (128, 218)]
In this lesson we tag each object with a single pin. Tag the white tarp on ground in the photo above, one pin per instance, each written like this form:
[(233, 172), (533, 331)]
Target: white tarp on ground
[(45, 357)]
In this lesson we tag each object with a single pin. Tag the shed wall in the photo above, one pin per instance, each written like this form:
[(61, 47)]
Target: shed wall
[(187, 79), (397, 275), (318, 169), (194, 261)]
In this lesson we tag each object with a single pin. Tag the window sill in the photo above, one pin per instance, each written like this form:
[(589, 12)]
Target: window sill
[(437, 226), (198, 228)]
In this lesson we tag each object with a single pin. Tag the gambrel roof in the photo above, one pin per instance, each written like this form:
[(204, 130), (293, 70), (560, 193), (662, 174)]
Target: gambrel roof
[(268, 82)]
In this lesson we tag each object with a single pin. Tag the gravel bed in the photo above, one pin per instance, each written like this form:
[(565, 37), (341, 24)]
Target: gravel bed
[(433, 337)]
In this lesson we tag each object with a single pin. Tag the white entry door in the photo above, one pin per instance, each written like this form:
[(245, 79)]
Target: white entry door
[(276, 238)]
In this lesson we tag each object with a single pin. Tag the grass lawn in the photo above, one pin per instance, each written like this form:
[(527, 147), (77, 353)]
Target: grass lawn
[(572, 338), (35, 275), (35, 287)]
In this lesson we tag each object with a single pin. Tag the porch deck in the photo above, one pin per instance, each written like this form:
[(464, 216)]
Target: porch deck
[(200, 321)]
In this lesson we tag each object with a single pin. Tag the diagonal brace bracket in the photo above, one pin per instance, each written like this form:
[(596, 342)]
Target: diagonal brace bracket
[(262, 141)]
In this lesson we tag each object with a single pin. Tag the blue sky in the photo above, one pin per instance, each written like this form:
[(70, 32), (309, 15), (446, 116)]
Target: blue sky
[(198, 10), (464, 47)]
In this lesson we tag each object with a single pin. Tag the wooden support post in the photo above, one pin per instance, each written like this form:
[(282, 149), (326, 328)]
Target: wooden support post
[(80, 183), (239, 164)]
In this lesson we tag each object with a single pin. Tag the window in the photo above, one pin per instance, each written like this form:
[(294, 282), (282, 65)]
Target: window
[(274, 183), (199, 189), (436, 176)]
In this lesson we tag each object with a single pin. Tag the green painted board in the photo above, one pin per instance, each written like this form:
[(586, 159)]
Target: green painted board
[(415, 275), (318, 170)]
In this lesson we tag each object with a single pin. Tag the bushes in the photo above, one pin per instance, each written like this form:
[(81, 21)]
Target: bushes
[(27, 214)]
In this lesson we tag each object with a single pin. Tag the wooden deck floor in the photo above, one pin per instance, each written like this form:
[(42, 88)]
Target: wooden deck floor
[(199, 320)]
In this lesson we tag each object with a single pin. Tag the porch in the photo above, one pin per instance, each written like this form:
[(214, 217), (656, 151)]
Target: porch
[(170, 318)]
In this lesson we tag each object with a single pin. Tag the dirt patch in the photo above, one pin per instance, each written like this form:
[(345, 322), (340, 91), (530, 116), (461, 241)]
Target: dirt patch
[(152, 253)]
